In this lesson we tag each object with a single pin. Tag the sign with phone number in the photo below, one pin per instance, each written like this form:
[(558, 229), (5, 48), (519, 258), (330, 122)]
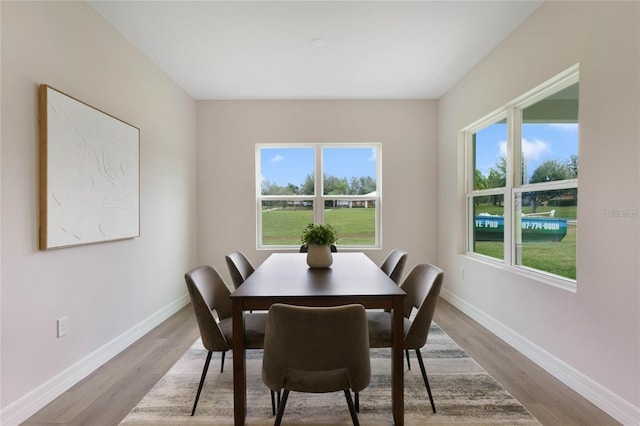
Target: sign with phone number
[(491, 228)]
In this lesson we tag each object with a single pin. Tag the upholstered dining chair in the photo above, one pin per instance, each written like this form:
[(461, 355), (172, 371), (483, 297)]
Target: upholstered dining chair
[(422, 286), (305, 249), (239, 267), (309, 349), (210, 299), (393, 264)]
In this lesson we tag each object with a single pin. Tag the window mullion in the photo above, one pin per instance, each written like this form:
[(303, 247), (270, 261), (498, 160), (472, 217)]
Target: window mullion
[(513, 238), (318, 205)]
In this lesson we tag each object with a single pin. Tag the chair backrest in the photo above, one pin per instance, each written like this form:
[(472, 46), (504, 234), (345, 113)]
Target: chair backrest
[(422, 286), (316, 340), (239, 267), (209, 293), (393, 264), (305, 249)]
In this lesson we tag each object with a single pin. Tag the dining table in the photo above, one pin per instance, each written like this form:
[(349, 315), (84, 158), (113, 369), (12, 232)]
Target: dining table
[(286, 278)]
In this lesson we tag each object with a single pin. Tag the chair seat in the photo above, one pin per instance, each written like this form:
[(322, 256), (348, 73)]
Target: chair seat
[(255, 324), (316, 381), (379, 324)]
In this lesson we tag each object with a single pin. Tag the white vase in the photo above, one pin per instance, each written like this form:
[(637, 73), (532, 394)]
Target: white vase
[(319, 256)]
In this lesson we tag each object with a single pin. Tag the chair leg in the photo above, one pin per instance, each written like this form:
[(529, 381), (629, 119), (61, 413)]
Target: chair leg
[(222, 363), (357, 401), (406, 351), (426, 381), (352, 410), (281, 404), (273, 403), (204, 375)]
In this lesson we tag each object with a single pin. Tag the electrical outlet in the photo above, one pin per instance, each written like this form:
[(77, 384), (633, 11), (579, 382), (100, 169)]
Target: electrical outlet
[(63, 326)]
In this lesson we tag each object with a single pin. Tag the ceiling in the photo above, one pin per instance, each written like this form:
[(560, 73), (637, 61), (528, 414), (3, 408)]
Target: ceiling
[(315, 49)]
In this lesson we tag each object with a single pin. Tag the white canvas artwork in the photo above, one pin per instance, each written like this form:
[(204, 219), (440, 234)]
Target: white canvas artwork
[(91, 164)]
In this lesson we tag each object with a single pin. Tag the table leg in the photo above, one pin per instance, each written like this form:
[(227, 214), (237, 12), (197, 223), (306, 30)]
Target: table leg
[(397, 360), (239, 367)]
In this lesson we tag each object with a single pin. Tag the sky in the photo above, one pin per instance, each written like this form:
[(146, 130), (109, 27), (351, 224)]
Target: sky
[(291, 165), (540, 142)]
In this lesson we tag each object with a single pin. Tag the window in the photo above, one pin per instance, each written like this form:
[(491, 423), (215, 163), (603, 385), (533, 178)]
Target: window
[(522, 182), (298, 184)]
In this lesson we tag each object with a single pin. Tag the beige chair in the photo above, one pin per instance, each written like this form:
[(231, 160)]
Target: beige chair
[(316, 350), (422, 286), (239, 267), (210, 298), (393, 264)]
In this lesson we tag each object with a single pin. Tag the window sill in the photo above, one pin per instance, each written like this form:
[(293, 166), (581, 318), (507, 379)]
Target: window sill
[(535, 275)]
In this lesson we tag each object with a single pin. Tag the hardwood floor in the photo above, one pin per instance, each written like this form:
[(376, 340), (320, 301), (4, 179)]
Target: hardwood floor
[(107, 395), (548, 399)]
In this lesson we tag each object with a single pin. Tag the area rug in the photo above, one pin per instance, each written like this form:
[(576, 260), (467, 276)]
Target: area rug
[(463, 392)]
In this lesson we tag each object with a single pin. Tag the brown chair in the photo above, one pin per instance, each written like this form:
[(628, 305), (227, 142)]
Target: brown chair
[(316, 350), (422, 286), (239, 267), (210, 298), (393, 264)]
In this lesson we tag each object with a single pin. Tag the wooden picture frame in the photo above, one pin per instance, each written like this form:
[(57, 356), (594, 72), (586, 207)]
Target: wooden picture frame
[(89, 174)]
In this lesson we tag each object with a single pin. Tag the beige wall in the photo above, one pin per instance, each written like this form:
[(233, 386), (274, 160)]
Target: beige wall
[(109, 289), (229, 130), (105, 289), (594, 334)]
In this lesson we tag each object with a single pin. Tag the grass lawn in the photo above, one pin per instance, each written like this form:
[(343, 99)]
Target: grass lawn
[(556, 257), (283, 227), (565, 212), (357, 227)]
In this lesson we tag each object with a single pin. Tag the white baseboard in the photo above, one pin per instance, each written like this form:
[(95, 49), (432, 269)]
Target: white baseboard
[(617, 407), (35, 400)]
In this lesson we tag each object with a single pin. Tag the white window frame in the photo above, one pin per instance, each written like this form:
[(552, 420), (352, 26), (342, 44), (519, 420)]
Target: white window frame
[(318, 200), (514, 185)]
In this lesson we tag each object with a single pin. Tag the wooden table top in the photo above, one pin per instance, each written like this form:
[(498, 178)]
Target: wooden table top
[(288, 275)]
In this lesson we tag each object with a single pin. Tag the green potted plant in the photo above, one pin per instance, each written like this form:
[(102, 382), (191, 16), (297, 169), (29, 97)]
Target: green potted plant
[(318, 239)]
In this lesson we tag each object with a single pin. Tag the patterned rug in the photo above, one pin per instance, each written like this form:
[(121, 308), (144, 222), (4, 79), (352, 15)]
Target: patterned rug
[(463, 392)]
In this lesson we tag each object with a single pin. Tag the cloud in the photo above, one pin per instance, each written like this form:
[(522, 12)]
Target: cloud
[(568, 127), (534, 149), (502, 149), (277, 158), (373, 156)]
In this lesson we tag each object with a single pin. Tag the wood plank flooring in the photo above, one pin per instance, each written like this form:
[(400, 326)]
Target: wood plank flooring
[(548, 399), (107, 395)]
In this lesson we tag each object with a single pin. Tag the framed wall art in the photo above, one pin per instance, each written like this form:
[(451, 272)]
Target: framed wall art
[(89, 174)]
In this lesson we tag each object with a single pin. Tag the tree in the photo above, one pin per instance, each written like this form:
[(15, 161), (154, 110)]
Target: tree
[(572, 163), (498, 176), (269, 188), (362, 185), (335, 186), (480, 182), (308, 186), (551, 170), (293, 189)]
